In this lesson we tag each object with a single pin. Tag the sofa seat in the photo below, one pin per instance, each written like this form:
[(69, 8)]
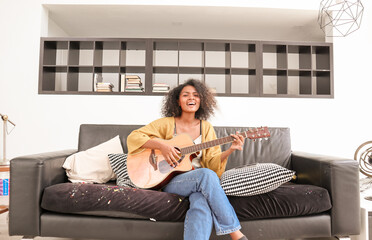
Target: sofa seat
[(289, 200)]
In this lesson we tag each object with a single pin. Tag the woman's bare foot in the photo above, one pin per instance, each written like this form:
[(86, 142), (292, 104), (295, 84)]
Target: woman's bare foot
[(236, 235)]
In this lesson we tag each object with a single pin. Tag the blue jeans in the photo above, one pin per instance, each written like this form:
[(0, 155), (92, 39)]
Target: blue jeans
[(208, 204)]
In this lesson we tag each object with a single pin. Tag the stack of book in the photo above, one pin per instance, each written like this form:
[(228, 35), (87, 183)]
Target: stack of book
[(104, 87), (133, 83), (160, 87)]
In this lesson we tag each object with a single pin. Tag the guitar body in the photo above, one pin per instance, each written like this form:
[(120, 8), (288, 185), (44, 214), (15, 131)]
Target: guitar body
[(148, 168)]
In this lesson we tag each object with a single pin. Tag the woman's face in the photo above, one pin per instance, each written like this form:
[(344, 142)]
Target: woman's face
[(189, 100)]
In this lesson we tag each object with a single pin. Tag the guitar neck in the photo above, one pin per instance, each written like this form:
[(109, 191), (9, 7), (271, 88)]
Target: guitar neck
[(252, 134)]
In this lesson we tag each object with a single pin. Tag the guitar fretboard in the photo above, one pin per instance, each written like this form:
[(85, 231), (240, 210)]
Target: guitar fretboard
[(206, 145)]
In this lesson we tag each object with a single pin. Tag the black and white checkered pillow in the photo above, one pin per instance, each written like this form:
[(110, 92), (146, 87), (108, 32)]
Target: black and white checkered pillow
[(254, 179), (118, 164)]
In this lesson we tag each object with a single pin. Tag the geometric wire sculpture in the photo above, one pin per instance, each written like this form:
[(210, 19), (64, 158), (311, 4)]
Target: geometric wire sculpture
[(339, 18), (363, 155)]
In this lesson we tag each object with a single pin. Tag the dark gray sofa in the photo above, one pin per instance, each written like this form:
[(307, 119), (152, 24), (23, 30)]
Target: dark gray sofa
[(31, 175)]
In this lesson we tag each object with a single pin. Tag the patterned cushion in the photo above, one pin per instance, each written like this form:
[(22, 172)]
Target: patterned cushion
[(119, 166), (254, 179)]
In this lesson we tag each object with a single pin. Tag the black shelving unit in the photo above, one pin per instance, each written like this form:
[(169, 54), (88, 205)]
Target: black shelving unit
[(230, 67)]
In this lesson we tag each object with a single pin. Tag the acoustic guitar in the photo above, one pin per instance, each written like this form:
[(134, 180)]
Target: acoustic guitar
[(149, 170)]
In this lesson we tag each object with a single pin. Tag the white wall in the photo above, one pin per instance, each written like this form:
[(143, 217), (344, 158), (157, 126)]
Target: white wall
[(50, 122)]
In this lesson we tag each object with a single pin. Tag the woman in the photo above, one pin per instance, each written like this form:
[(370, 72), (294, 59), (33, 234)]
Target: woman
[(186, 109)]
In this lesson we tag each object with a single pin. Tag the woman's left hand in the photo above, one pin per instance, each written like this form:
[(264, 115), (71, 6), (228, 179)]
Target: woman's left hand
[(238, 142)]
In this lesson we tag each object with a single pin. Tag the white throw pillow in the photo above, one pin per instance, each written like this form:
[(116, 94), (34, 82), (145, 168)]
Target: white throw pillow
[(93, 165)]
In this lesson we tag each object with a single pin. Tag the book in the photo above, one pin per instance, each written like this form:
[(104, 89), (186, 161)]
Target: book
[(160, 84), (132, 77), (133, 80), (134, 89), (160, 87), (104, 90), (134, 84), (103, 87), (122, 82), (104, 84)]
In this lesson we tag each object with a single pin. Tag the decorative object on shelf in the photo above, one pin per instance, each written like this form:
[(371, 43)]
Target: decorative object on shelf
[(5, 132), (339, 18), (363, 155), (97, 79)]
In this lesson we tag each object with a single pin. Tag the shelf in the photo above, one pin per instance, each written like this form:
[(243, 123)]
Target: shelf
[(299, 57), (217, 55), (229, 67), (323, 82), (81, 53), (243, 55), (274, 56), (191, 54), (133, 53), (165, 54), (321, 58)]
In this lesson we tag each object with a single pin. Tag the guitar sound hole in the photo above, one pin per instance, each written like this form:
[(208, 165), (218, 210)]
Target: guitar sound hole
[(164, 166)]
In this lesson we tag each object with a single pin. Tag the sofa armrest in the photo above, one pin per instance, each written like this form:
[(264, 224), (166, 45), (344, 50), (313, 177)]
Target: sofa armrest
[(341, 178), (29, 175)]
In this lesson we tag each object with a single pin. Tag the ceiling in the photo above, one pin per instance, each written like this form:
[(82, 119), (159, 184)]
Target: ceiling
[(197, 22)]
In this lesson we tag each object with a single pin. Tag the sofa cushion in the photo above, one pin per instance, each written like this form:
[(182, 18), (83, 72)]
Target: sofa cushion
[(92, 165), (254, 179), (139, 203), (119, 166), (91, 135), (276, 149), (288, 200)]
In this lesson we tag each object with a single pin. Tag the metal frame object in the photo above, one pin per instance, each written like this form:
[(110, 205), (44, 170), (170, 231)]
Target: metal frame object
[(5, 131), (339, 18), (364, 157)]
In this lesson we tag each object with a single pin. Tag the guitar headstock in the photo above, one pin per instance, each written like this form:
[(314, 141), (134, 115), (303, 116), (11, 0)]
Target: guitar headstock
[(257, 133)]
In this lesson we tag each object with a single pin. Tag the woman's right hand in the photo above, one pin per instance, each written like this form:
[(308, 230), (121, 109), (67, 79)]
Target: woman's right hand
[(170, 154)]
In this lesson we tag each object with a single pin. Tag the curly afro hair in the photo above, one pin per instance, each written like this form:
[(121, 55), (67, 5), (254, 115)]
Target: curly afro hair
[(208, 103)]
